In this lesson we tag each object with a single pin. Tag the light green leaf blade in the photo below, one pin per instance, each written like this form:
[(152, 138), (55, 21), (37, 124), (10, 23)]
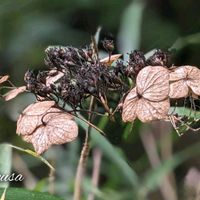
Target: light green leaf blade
[(5, 162), (130, 30), (187, 40), (155, 176), (183, 111), (32, 153)]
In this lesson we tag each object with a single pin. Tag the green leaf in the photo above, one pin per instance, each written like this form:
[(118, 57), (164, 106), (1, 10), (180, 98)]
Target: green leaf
[(130, 30), (32, 153), (183, 111), (97, 34), (184, 41), (114, 155), (5, 162), (22, 194)]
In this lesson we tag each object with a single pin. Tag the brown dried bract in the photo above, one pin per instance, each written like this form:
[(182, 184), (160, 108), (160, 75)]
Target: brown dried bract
[(109, 60), (184, 81), (13, 93), (4, 78), (149, 99), (44, 125)]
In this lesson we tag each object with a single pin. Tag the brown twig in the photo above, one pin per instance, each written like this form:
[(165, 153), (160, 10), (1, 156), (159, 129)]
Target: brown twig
[(83, 159), (97, 156)]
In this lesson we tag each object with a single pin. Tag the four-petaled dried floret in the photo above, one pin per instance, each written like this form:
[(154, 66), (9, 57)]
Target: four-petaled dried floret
[(43, 125), (149, 100)]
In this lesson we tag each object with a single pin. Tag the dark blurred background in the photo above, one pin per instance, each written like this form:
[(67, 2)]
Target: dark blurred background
[(27, 27)]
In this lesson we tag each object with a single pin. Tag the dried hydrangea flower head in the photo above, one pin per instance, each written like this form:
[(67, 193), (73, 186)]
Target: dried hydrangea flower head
[(149, 100), (184, 81), (44, 125)]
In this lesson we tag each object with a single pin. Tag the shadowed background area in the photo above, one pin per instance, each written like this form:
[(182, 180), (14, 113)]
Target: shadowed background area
[(160, 159)]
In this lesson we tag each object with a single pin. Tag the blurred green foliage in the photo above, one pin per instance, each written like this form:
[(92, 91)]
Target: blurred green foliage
[(128, 169)]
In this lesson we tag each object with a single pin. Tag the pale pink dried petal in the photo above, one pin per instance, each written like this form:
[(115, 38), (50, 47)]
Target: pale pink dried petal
[(178, 89), (178, 73), (62, 130), (195, 86), (13, 93), (4, 78), (193, 73), (190, 75), (130, 106), (193, 79), (38, 108), (148, 111), (26, 124), (153, 83), (31, 117), (40, 140)]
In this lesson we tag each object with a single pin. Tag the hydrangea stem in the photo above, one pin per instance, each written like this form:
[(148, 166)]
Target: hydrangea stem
[(83, 158)]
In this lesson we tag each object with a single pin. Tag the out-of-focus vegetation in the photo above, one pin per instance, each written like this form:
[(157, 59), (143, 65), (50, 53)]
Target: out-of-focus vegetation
[(139, 162)]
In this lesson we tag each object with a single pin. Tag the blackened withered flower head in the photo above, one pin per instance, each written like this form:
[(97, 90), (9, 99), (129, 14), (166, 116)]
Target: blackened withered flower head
[(135, 64), (42, 83), (73, 75), (160, 58), (62, 57)]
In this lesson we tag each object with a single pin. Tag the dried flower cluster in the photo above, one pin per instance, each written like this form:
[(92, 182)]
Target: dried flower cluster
[(75, 74), (155, 86)]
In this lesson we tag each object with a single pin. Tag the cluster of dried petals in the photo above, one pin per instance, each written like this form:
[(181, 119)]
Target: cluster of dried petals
[(149, 100), (44, 125), (184, 81)]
